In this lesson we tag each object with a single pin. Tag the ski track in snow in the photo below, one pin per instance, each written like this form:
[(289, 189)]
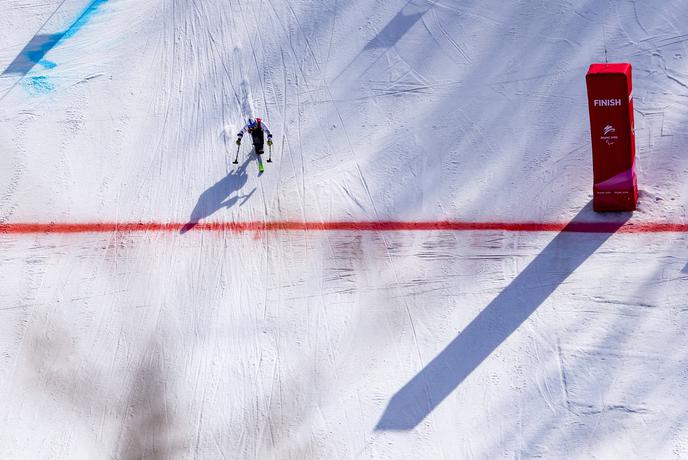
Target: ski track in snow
[(159, 301)]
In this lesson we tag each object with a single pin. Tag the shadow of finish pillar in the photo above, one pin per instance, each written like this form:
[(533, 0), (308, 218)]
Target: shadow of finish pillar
[(579, 240)]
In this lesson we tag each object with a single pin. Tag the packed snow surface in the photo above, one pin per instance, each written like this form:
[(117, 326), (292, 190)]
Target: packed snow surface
[(337, 344)]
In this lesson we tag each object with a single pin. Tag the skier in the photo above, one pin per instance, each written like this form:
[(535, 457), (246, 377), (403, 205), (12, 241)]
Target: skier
[(258, 129)]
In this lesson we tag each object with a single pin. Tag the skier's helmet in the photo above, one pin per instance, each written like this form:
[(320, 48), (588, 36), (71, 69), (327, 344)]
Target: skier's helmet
[(258, 121), (251, 123)]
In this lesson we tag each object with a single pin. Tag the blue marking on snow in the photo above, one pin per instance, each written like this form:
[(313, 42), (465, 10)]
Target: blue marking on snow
[(38, 85), (35, 51), (86, 16), (47, 64)]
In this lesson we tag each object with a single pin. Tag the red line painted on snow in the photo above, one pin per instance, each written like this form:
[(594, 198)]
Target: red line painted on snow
[(356, 226)]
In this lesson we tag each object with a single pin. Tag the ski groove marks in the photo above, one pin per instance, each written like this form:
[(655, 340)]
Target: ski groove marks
[(454, 44), (562, 378), (7, 203)]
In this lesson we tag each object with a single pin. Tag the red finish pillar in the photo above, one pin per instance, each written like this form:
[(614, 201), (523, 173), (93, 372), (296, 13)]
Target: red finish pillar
[(610, 102)]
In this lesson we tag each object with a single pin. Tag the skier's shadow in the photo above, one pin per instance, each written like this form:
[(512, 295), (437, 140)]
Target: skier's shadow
[(218, 196)]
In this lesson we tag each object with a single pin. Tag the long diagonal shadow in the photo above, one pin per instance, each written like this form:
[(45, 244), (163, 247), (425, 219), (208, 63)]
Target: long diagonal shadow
[(557, 261), (390, 35), (32, 54), (399, 25)]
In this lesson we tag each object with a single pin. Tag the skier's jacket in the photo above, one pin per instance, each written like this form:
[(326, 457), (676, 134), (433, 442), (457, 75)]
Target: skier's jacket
[(257, 132)]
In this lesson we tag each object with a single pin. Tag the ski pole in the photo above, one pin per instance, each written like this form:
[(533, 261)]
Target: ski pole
[(270, 155), (236, 159)]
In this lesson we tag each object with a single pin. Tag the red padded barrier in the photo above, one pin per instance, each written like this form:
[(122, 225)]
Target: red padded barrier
[(610, 102)]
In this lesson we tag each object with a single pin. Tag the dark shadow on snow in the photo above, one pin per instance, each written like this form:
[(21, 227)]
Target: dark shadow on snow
[(389, 36), (32, 53), (398, 26), (218, 196), (557, 261)]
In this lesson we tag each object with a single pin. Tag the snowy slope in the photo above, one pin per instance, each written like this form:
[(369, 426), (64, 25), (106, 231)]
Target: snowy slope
[(336, 344)]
